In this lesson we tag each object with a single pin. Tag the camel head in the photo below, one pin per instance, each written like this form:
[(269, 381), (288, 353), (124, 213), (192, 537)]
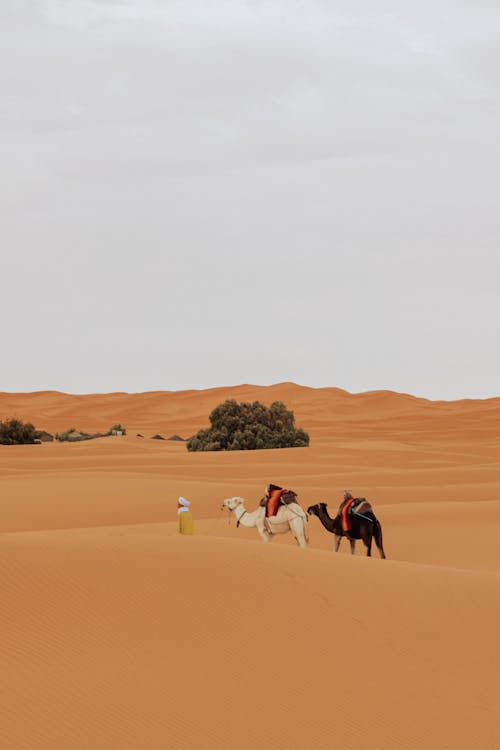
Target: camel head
[(314, 510), (232, 502)]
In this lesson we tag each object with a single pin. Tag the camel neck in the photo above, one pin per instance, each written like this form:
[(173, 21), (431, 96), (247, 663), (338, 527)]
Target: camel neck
[(325, 518), (240, 514), (245, 517)]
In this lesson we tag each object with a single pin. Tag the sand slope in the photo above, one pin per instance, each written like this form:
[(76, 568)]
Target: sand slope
[(131, 637), (117, 633)]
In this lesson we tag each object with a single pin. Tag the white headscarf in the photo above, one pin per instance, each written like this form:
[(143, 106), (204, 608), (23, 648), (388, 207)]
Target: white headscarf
[(183, 505)]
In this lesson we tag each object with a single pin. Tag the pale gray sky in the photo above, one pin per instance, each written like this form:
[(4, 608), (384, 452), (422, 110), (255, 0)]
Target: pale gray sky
[(211, 192)]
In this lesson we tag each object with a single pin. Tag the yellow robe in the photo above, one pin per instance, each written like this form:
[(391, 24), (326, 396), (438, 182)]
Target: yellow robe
[(186, 524)]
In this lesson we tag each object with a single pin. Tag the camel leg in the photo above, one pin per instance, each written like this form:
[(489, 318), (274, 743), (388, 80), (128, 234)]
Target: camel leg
[(369, 546), (378, 540), (367, 537), (299, 531), (336, 543), (299, 534), (263, 534), (352, 542)]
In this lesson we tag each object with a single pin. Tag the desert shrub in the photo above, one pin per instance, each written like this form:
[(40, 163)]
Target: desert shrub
[(249, 426), (16, 432), (74, 436)]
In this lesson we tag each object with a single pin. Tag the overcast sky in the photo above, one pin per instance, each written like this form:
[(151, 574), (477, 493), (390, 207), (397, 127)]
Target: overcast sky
[(212, 192)]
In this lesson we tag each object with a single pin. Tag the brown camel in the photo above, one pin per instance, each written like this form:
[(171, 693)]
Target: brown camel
[(365, 526)]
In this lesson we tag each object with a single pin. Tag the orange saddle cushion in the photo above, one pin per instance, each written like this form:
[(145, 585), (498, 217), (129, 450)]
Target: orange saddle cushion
[(344, 514), (273, 502)]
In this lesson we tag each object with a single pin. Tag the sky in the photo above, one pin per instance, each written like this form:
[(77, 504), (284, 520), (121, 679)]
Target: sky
[(202, 193)]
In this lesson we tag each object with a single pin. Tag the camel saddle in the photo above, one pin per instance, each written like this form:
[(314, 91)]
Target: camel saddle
[(276, 496), (357, 505)]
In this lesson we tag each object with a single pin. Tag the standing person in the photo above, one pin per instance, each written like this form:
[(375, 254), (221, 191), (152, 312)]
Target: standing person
[(186, 524)]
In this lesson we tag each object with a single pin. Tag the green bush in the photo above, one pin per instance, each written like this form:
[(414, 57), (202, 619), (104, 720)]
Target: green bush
[(74, 436), (249, 426), (16, 432)]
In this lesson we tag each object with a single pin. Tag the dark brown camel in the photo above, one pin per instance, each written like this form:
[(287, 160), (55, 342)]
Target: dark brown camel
[(365, 526)]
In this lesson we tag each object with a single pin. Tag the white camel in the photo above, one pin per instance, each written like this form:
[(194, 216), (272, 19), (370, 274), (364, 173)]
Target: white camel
[(288, 518)]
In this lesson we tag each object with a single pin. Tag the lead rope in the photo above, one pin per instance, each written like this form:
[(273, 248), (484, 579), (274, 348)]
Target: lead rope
[(355, 513), (239, 519)]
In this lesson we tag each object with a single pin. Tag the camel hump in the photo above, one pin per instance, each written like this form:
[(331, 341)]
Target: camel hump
[(361, 505)]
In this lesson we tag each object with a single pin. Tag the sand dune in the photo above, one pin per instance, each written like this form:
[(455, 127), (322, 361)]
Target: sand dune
[(319, 409), (117, 633), (132, 637)]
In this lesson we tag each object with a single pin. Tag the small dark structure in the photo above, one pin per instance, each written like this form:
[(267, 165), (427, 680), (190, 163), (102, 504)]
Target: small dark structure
[(117, 430), (44, 437), (157, 437), (177, 438), (365, 526)]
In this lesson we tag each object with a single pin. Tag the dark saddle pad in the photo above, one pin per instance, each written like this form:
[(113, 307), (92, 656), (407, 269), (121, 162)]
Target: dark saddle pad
[(355, 505)]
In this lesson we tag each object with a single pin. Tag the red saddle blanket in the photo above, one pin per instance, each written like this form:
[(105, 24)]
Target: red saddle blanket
[(344, 514), (273, 502)]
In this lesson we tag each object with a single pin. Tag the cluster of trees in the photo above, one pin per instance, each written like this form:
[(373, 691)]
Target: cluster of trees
[(16, 432), (249, 426), (233, 427)]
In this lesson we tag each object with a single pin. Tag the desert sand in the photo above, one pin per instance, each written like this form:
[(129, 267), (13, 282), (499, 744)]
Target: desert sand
[(119, 633)]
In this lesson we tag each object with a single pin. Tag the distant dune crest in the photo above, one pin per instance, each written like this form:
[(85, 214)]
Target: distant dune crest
[(185, 412)]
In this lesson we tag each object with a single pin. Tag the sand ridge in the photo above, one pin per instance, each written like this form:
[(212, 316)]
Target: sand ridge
[(332, 409)]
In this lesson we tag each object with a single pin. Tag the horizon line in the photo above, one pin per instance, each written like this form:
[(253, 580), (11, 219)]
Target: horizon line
[(247, 385)]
